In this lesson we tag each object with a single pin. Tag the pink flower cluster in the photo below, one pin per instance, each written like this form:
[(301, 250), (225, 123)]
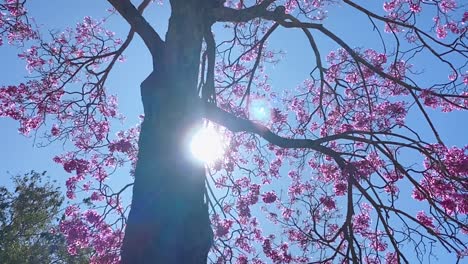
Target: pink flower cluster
[(88, 230), (444, 179), (221, 227), (402, 10), (14, 25)]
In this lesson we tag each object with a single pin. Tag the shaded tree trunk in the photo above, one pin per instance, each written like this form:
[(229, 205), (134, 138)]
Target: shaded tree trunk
[(168, 221)]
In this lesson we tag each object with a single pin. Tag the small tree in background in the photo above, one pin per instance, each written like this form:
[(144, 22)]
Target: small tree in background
[(324, 178), (29, 216)]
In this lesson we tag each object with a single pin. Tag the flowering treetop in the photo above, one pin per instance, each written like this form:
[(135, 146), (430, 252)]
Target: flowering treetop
[(314, 174)]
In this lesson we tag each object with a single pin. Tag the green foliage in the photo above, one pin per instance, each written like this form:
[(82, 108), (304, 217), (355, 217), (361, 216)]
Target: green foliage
[(28, 216)]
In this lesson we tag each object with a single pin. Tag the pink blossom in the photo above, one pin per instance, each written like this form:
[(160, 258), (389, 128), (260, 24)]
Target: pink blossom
[(441, 32), (223, 227), (361, 222), (429, 98), (121, 146), (287, 213), (418, 195), (92, 217), (456, 160), (29, 124), (269, 197), (78, 165), (389, 6), (416, 8), (449, 205), (328, 202), (55, 130), (391, 258), (242, 259), (340, 188), (253, 194), (391, 189), (95, 196), (242, 207), (447, 5), (425, 220), (378, 244)]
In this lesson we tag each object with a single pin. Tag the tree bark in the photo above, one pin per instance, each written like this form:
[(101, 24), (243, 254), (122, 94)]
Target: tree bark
[(168, 221)]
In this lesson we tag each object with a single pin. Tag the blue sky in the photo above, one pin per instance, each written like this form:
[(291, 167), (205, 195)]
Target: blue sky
[(18, 153)]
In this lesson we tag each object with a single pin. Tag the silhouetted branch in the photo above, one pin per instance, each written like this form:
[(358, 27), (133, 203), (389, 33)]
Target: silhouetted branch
[(138, 23), (226, 14)]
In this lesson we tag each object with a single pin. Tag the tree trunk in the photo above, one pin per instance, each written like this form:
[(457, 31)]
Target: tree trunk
[(168, 221)]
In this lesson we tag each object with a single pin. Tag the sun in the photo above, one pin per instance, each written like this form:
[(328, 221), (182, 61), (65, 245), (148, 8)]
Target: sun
[(207, 144)]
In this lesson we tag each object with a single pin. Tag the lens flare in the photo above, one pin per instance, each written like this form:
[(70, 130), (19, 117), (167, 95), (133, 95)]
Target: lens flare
[(260, 110)]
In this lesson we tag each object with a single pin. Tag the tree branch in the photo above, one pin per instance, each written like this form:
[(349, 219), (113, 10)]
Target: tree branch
[(208, 92), (237, 124), (134, 17), (226, 14)]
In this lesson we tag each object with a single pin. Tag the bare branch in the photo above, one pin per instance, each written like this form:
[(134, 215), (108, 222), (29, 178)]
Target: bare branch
[(237, 124), (226, 14), (138, 23)]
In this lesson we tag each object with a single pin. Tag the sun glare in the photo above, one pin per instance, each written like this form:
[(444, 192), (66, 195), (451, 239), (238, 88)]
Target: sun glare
[(207, 145)]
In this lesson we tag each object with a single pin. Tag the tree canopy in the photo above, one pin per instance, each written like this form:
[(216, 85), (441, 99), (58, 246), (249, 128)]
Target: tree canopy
[(348, 166), (29, 215)]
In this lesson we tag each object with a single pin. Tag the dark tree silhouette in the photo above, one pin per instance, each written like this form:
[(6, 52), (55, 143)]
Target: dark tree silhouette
[(341, 134)]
